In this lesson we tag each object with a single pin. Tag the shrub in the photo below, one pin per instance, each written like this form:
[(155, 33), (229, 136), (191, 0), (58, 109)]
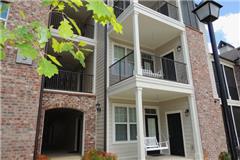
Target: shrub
[(99, 155), (224, 156)]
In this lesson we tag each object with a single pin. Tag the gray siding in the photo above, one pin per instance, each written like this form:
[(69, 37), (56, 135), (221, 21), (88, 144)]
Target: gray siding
[(100, 87)]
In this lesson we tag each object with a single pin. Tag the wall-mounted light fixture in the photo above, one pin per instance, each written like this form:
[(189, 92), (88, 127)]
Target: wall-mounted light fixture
[(186, 112), (179, 48), (98, 106)]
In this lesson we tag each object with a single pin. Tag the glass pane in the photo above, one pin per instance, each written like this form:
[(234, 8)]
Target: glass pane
[(119, 52), (3, 10), (121, 132), (150, 111), (120, 114), (151, 127), (231, 83), (236, 113), (132, 114), (133, 132)]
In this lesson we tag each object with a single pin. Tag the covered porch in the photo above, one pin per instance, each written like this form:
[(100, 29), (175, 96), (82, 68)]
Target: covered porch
[(141, 112)]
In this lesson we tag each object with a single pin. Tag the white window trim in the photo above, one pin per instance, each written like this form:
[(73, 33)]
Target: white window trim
[(128, 124)]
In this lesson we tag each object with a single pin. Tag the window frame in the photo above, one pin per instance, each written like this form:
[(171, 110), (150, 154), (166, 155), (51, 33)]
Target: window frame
[(3, 19), (114, 141), (223, 64)]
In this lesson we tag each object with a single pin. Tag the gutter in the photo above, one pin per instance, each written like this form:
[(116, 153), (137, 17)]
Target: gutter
[(105, 88)]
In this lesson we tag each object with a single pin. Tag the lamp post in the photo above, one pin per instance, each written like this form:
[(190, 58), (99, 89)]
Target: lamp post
[(207, 12)]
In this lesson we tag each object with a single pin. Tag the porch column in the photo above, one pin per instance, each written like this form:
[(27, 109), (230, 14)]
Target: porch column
[(140, 131), (195, 128), (137, 52)]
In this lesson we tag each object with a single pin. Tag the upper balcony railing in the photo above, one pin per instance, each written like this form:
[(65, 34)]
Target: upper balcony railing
[(70, 81), (158, 68), (161, 6), (121, 69), (87, 30)]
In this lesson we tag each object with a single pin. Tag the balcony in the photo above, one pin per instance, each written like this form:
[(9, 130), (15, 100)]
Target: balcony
[(157, 67), (70, 81), (166, 8)]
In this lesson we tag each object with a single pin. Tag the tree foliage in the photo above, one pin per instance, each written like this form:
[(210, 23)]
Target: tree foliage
[(31, 38)]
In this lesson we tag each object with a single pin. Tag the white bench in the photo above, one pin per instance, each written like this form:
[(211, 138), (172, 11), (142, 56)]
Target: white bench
[(151, 144)]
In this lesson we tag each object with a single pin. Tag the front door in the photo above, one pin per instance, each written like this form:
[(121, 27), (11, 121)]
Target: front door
[(151, 122), (175, 134)]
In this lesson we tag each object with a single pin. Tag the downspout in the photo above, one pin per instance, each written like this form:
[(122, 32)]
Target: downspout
[(38, 120), (105, 88)]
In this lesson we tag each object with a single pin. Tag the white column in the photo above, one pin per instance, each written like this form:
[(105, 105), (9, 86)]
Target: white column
[(137, 52), (195, 128), (140, 131)]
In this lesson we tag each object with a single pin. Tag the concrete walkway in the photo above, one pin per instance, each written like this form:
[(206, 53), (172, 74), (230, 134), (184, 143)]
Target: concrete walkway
[(167, 157), (62, 156)]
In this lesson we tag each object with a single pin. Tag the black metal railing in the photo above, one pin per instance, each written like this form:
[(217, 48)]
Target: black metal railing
[(87, 30), (164, 68), (121, 69), (119, 6), (70, 81), (154, 67), (163, 7)]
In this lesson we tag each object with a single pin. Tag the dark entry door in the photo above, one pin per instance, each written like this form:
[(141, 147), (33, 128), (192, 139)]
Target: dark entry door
[(151, 122), (169, 67), (175, 134)]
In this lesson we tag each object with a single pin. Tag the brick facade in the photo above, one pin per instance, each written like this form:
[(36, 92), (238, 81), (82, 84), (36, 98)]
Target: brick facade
[(209, 111), (85, 103), (20, 90)]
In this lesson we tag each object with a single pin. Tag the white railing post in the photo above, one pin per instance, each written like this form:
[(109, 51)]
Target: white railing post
[(140, 131), (137, 52)]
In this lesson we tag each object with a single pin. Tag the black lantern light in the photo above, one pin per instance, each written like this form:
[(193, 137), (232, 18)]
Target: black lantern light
[(207, 11), (98, 106)]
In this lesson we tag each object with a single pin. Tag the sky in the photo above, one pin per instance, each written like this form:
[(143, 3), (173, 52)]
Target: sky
[(227, 27)]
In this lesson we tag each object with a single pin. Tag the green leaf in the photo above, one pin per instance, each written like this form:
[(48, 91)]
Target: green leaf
[(43, 34), (66, 46), (56, 46), (78, 3), (46, 68), (75, 25), (65, 29), (61, 6), (22, 33), (79, 55), (2, 54), (50, 2), (27, 50), (82, 44), (86, 49), (54, 59)]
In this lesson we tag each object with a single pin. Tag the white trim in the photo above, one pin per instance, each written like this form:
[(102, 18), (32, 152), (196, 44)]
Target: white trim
[(83, 135), (89, 41), (183, 132)]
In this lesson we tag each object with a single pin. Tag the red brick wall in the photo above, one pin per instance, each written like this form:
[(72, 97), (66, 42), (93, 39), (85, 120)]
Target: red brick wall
[(20, 89), (83, 102), (209, 112)]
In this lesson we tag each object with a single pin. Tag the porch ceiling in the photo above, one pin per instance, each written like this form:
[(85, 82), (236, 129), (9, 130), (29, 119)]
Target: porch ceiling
[(152, 33), (149, 95)]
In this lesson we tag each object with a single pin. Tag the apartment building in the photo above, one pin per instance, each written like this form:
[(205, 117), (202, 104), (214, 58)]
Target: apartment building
[(154, 80)]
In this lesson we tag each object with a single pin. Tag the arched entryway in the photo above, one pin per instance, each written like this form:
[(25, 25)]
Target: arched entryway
[(62, 132)]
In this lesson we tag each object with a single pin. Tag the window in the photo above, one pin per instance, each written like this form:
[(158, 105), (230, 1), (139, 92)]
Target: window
[(236, 118), (119, 52), (125, 124), (229, 80), (119, 6), (4, 11)]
